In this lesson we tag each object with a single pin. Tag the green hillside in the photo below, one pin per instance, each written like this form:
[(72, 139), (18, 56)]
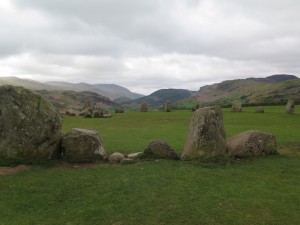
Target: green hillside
[(274, 89)]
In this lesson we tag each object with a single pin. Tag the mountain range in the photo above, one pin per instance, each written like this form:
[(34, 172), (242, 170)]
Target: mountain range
[(272, 89)]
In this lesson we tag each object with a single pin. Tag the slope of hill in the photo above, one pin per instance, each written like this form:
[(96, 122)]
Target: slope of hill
[(122, 92), (63, 100), (30, 84), (275, 89), (161, 96), (110, 91)]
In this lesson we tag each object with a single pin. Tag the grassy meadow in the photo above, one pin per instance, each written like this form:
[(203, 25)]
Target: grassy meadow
[(264, 190)]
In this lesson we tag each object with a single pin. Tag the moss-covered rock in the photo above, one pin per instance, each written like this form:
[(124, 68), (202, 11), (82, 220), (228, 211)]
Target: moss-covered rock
[(30, 127)]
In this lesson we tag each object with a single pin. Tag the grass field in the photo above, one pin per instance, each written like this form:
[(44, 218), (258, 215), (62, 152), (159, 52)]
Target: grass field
[(265, 190)]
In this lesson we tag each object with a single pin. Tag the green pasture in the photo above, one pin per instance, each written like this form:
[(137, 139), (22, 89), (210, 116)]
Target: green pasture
[(264, 190)]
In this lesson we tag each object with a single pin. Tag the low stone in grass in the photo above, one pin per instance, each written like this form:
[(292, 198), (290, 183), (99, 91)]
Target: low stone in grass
[(206, 136), (290, 107), (252, 143), (127, 161), (119, 110), (135, 155), (160, 149), (71, 112), (260, 109), (107, 116), (81, 145), (97, 114), (236, 106), (116, 157)]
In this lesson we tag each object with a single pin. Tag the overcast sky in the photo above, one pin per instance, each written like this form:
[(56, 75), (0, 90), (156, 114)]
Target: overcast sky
[(146, 45)]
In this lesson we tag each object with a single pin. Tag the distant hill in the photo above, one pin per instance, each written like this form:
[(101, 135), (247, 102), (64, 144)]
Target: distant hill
[(161, 96), (111, 91), (275, 89), (63, 100), (29, 84)]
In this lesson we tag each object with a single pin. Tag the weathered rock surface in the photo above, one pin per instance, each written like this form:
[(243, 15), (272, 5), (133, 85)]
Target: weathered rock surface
[(290, 107), (206, 136), (252, 143), (116, 157), (160, 149), (81, 145), (30, 127), (236, 106), (260, 109)]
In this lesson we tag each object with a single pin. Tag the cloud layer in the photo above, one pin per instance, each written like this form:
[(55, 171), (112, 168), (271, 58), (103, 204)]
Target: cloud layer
[(148, 45)]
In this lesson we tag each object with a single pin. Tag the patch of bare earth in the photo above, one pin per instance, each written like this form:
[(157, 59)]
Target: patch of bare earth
[(13, 170)]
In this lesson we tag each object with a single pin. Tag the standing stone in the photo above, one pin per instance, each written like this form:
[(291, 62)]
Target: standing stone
[(206, 136), (81, 145), (290, 107), (260, 109), (236, 106), (252, 143), (144, 107), (168, 107), (30, 127)]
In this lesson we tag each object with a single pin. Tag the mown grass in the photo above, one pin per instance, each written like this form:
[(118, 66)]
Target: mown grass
[(265, 190)]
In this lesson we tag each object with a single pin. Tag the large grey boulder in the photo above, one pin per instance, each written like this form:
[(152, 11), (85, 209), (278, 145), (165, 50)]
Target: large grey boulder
[(81, 145), (206, 136), (160, 149), (290, 107), (168, 106), (30, 127), (252, 143)]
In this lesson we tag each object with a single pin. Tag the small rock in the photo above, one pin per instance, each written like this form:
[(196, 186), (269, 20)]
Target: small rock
[(260, 109), (127, 161), (116, 157), (160, 149), (135, 155), (106, 116)]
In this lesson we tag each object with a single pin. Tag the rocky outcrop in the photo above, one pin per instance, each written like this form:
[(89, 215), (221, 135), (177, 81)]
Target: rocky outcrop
[(81, 145), (252, 143), (206, 136), (160, 149), (30, 127)]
